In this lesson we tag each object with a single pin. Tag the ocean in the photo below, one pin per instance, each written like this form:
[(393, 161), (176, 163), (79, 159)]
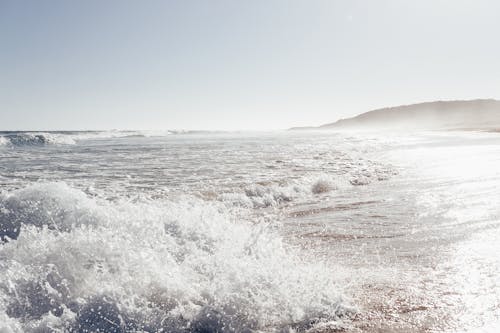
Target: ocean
[(292, 231)]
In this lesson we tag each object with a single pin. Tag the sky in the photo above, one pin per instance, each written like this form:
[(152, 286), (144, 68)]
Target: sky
[(237, 65)]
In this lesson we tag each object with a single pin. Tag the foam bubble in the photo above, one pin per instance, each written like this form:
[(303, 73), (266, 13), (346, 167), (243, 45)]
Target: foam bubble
[(323, 185)]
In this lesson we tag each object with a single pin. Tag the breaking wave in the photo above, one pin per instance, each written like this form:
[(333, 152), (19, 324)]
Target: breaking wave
[(274, 194), (69, 138), (35, 139), (74, 263)]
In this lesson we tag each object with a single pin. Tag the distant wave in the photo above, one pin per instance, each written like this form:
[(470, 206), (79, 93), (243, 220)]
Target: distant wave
[(35, 139), (70, 262), (4, 141), (72, 137)]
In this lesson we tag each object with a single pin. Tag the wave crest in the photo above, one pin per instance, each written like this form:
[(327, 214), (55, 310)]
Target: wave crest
[(36, 139), (186, 265)]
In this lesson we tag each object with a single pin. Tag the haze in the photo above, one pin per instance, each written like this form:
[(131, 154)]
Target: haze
[(237, 64)]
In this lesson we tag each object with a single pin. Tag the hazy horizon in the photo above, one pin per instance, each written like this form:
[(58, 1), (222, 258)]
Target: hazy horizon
[(313, 126), (229, 65)]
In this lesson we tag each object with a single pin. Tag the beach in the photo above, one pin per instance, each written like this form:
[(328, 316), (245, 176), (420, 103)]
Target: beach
[(313, 231)]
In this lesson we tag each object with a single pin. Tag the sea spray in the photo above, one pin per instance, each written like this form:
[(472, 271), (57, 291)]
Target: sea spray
[(184, 265)]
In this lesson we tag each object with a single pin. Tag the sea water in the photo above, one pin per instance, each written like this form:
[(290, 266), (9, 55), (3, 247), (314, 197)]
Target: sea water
[(136, 231)]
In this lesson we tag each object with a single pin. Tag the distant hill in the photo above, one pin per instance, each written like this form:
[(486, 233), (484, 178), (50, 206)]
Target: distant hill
[(472, 114)]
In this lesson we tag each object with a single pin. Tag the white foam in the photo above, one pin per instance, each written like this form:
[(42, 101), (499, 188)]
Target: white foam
[(275, 194), (59, 139), (9, 325), (36, 138), (323, 185), (70, 138), (165, 263), (98, 135)]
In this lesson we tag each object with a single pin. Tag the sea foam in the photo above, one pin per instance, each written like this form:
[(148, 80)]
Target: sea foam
[(147, 265), (35, 139), (70, 138)]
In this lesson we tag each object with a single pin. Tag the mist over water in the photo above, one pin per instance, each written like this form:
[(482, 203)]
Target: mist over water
[(248, 232)]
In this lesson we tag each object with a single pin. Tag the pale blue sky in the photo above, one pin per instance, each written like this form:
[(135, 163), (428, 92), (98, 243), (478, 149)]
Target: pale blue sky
[(237, 64)]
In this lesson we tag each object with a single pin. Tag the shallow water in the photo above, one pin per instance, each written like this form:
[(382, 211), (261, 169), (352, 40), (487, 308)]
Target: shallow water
[(249, 232)]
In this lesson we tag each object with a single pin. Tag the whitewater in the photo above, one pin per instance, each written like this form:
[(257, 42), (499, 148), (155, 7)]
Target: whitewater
[(168, 231)]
